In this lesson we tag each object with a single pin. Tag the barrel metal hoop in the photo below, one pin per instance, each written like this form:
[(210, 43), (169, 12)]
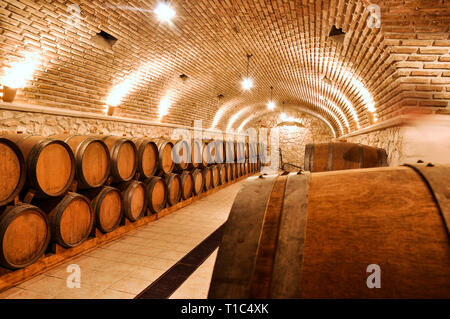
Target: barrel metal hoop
[(260, 283), (437, 179)]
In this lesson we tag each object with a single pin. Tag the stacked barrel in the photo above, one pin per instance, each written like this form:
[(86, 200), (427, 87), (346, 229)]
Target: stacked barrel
[(63, 189)]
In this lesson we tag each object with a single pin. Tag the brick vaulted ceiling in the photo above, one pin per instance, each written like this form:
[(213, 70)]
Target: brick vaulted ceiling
[(406, 62)]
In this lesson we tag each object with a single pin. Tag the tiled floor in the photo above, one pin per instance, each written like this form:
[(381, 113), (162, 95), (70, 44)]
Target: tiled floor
[(125, 267)]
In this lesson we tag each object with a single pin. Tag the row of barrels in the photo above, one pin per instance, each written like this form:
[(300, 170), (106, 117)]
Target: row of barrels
[(26, 229), (48, 165)]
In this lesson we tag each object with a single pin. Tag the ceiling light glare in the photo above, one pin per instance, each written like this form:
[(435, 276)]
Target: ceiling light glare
[(164, 12), (247, 84), (271, 105)]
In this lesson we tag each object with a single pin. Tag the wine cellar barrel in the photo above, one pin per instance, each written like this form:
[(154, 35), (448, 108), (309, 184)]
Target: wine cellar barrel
[(24, 235), (196, 153), (198, 180), (285, 234), (222, 173), (229, 152), (147, 154), (181, 155), (134, 199), (207, 178), (208, 153), (187, 185), (340, 156), (165, 150), (173, 182), (215, 176), (71, 218), (50, 164), (108, 207), (12, 170), (92, 159), (124, 158), (220, 152), (229, 170), (156, 190)]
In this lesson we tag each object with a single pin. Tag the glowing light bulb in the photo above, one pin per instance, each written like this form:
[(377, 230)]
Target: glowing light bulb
[(164, 12), (271, 105), (247, 84), (17, 76)]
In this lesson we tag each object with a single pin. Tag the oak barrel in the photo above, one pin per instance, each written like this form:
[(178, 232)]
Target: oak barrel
[(156, 190), (12, 170), (321, 235), (340, 156), (222, 173), (229, 172), (165, 149), (108, 207), (207, 178), (208, 152), (24, 235), (134, 199), (173, 182), (71, 218), (215, 178), (198, 180), (92, 159), (229, 152), (181, 155), (147, 154), (50, 164), (187, 185), (124, 158), (220, 152), (196, 153)]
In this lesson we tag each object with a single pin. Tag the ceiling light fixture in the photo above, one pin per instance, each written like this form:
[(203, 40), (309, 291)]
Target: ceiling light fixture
[(271, 105), (247, 82), (164, 12)]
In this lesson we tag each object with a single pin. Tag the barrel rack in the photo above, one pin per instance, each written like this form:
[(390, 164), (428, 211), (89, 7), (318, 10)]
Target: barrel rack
[(58, 255)]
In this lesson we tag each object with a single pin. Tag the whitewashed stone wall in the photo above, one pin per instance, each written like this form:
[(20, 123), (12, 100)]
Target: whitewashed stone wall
[(293, 137)]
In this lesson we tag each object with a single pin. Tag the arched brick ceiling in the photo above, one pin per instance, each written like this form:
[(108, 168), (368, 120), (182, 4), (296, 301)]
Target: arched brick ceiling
[(405, 63)]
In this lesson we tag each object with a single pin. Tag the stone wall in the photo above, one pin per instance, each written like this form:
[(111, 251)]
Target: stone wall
[(293, 136)]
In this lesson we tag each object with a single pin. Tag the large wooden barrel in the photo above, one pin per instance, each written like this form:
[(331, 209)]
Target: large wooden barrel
[(220, 152), (181, 155), (187, 185), (71, 218), (207, 178), (222, 173), (156, 189), (239, 149), (92, 159), (338, 235), (198, 180), (50, 164), (165, 150), (147, 152), (340, 156), (173, 182), (134, 199), (12, 170), (229, 152), (208, 153), (229, 172), (124, 158), (24, 235), (215, 176), (196, 153), (108, 207)]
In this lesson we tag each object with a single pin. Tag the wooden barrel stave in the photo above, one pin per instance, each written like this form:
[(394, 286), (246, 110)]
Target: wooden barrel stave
[(12, 170), (107, 205), (156, 189), (325, 242), (198, 181), (207, 179), (187, 185), (173, 182), (24, 235), (148, 157), (124, 158), (134, 199), (165, 160), (92, 159)]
